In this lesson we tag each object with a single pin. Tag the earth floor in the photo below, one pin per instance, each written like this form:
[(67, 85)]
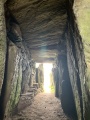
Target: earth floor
[(44, 107)]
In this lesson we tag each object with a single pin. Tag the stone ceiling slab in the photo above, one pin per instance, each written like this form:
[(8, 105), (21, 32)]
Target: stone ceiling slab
[(42, 22)]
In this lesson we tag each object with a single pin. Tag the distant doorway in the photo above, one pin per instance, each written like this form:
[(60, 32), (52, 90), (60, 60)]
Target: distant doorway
[(48, 78)]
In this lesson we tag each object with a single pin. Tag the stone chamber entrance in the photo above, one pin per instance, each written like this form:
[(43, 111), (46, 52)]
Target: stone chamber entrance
[(36, 34)]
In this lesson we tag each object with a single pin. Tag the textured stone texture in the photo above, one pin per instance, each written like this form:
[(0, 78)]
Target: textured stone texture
[(33, 73), (82, 12), (9, 73), (73, 78), (56, 81), (26, 76), (18, 61), (63, 88), (2, 43), (14, 86), (40, 76), (42, 23), (18, 68), (76, 63), (36, 20)]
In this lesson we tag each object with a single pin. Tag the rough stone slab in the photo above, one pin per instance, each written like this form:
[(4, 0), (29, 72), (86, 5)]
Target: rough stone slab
[(2, 43)]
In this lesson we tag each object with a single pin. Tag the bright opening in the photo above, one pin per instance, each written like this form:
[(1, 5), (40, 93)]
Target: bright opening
[(47, 72), (37, 65)]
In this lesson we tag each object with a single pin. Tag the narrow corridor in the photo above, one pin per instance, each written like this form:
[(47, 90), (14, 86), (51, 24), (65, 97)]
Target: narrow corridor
[(44, 107), (44, 32)]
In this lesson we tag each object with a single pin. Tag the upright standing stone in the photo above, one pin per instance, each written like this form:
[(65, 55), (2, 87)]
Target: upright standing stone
[(2, 43)]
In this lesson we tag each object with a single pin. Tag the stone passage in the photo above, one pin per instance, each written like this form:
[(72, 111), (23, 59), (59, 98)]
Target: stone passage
[(44, 107)]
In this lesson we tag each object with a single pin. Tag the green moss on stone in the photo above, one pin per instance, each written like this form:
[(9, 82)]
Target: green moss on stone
[(16, 87)]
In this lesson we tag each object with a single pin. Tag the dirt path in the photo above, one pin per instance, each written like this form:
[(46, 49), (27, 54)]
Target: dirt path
[(44, 107)]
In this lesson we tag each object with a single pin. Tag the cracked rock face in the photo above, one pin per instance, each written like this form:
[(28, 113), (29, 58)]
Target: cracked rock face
[(42, 22), (83, 20)]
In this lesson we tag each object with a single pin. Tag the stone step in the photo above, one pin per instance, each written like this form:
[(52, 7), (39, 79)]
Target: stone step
[(27, 98), (27, 94), (36, 85), (32, 89)]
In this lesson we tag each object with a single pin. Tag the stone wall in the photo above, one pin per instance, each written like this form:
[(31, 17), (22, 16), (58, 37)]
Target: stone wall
[(12, 85), (16, 67), (82, 13), (2, 44), (63, 86), (28, 72), (40, 76), (56, 80), (76, 63), (17, 78), (52, 83), (73, 62), (33, 73)]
